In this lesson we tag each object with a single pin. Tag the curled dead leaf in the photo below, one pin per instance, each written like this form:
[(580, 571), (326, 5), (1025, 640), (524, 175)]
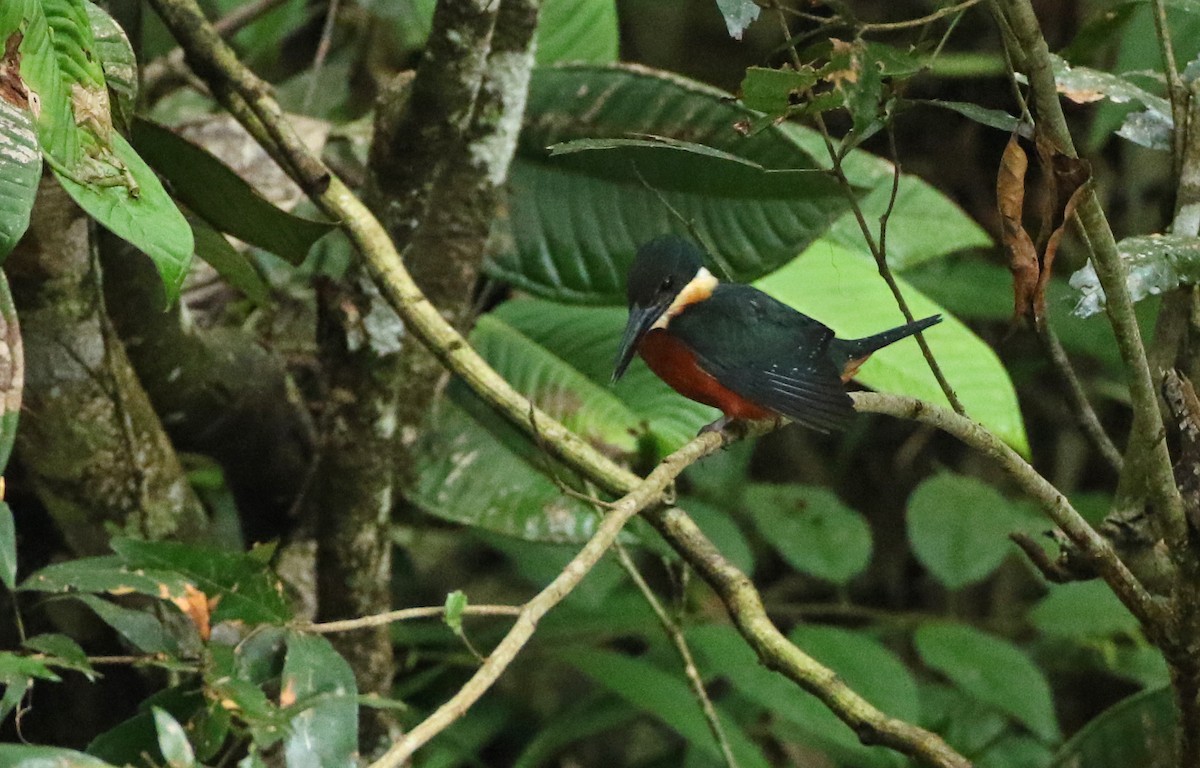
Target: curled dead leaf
[(1010, 200), (12, 86), (198, 607)]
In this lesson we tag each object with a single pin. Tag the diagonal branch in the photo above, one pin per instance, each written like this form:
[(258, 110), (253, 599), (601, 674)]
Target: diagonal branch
[(643, 495), (1094, 547)]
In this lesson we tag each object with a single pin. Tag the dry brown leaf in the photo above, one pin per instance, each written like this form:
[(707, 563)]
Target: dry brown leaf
[(1067, 178), (198, 607), (1010, 200), (287, 694), (12, 87)]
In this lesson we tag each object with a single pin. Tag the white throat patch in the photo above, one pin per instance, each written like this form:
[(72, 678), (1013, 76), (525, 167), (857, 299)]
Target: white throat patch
[(698, 288)]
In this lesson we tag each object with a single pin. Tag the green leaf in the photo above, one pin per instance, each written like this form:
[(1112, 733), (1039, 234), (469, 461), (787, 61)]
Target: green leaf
[(583, 406), (456, 603), (722, 529), (992, 118), (324, 733), (577, 219), (846, 293), (812, 529), (587, 338), (738, 15), (61, 651), (20, 171), (17, 673), (910, 240), (135, 739), (172, 741), (248, 591), (580, 720), (775, 91), (466, 475), (42, 72), (1137, 731), (869, 668), (1084, 85), (148, 219), (243, 698), (1154, 265), (118, 61), (222, 198), (142, 629), (577, 30), (229, 262), (105, 574), (1083, 609), (959, 526), (29, 756), (993, 671), (667, 697), (8, 547)]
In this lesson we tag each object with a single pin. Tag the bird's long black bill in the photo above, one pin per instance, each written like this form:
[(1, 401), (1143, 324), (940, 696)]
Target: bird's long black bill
[(640, 320)]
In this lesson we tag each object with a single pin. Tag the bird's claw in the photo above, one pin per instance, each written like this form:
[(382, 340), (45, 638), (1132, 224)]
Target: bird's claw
[(730, 429)]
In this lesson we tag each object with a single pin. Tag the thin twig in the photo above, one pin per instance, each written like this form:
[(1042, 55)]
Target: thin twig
[(1177, 91), (1077, 399), (644, 494), (675, 634), (322, 51), (877, 252), (406, 614), (891, 26)]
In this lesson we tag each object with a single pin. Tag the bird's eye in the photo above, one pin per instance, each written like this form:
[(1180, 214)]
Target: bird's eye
[(667, 284)]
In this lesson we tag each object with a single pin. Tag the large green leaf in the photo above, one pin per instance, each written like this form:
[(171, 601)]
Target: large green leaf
[(814, 531), (1137, 731), (1082, 609), (666, 696), (8, 547), (577, 30), (959, 527), (105, 574), (30, 756), (1154, 265), (20, 171), (324, 733), (576, 222), (467, 475), (146, 217), (910, 239), (586, 339), (43, 74), (993, 671), (118, 62), (247, 589), (173, 741), (222, 198), (845, 292), (868, 667)]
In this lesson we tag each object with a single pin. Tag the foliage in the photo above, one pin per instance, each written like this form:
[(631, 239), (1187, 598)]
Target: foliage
[(883, 553)]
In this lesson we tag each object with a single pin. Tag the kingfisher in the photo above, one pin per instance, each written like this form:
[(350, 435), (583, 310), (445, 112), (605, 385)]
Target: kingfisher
[(734, 347)]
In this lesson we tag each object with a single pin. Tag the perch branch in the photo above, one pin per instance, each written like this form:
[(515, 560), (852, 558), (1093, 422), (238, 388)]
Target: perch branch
[(1092, 546)]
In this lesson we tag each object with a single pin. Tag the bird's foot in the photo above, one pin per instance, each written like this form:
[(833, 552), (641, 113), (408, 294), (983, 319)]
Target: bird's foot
[(730, 429)]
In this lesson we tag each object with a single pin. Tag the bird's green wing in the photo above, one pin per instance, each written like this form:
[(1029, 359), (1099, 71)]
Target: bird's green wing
[(768, 353)]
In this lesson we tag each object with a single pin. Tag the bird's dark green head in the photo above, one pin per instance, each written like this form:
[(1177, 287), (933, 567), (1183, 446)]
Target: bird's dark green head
[(660, 272)]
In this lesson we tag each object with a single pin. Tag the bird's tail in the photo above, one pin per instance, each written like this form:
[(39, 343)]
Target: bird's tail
[(847, 351)]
